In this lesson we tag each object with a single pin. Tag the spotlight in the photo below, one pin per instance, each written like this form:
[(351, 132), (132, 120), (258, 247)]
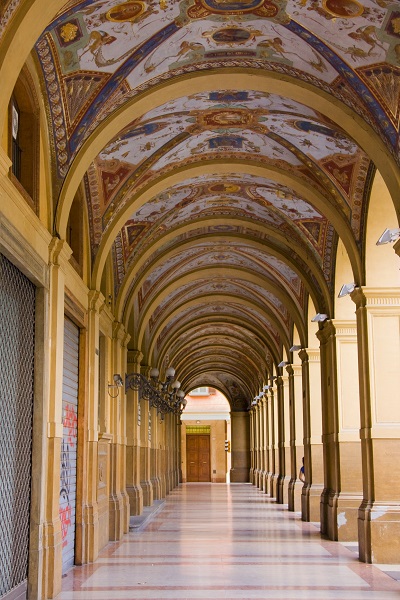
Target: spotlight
[(118, 380), (319, 318), (295, 348), (283, 363), (346, 289), (389, 235), (266, 388)]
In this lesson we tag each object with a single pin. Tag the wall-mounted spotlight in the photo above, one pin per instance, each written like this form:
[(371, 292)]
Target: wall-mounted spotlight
[(346, 289), (319, 318), (118, 382), (266, 388), (295, 348), (284, 363), (389, 235)]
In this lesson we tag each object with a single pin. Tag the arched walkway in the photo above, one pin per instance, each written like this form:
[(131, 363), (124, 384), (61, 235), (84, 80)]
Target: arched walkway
[(227, 541)]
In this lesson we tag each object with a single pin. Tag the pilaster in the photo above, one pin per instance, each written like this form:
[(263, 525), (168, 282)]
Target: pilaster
[(133, 420), (240, 447), (145, 449), (296, 436), (312, 424), (59, 254), (378, 320)]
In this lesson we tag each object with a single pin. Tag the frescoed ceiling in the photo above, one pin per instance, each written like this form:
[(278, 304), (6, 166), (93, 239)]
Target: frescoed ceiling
[(221, 149)]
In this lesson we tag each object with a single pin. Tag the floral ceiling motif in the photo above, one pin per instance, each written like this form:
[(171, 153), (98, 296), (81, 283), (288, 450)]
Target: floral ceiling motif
[(226, 180)]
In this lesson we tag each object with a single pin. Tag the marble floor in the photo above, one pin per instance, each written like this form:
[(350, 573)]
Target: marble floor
[(214, 541)]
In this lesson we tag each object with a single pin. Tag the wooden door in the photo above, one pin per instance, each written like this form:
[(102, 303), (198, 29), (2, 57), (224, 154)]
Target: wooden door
[(198, 457)]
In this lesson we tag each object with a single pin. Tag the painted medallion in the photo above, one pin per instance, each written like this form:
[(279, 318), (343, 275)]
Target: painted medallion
[(128, 11)]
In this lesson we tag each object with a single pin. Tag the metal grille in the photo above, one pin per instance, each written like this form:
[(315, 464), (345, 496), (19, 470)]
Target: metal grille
[(17, 340), (69, 442)]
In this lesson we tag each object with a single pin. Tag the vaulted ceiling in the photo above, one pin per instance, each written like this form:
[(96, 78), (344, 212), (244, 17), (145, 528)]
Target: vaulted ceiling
[(224, 146)]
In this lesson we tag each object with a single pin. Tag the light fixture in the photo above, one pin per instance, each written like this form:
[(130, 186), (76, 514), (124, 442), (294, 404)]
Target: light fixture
[(266, 387), (284, 363), (118, 382), (295, 348), (319, 318), (163, 395), (346, 289), (389, 235)]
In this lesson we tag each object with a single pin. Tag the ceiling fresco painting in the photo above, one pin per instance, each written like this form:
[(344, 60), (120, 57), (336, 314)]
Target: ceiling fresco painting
[(220, 147)]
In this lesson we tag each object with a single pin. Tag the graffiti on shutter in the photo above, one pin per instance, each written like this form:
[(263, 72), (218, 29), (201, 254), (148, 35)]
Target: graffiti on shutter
[(69, 442)]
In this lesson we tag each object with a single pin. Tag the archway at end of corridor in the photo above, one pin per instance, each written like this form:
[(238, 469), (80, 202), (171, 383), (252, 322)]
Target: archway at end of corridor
[(206, 437)]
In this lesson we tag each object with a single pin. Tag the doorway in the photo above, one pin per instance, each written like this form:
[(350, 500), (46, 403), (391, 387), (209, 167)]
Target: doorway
[(198, 458)]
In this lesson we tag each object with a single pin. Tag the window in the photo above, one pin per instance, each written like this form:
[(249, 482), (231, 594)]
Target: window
[(24, 138), (200, 391)]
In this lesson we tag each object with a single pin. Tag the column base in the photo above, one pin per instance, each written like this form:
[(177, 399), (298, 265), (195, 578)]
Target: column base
[(156, 484), (282, 491), (273, 485), (342, 517), (135, 494), (311, 502), (116, 517), (379, 533), (87, 535), (52, 559), (147, 489), (294, 495)]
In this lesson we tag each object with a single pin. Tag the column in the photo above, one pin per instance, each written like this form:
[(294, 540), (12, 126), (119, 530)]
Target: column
[(145, 447), (273, 429), (87, 527), (264, 475), (252, 444), (59, 254), (342, 455), (312, 425), (133, 420), (119, 501), (240, 447), (154, 455), (378, 320), (283, 440), (296, 436)]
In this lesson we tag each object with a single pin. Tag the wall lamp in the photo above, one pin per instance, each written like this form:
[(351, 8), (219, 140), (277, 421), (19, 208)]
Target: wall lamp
[(389, 235), (118, 382), (284, 363), (163, 395), (346, 289), (295, 348), (266, 388), (319, 318)]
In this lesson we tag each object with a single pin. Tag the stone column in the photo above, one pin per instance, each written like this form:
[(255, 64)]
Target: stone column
[(119, 501), (240, 447), (312, 424), (283, 480), (273, 414), (59, 254), (342, 453), (145, 446), (264, 476), (296, 436), (252, 444), (378, 320), (133, 420), (267, 443), (155, 456), (257, 472), (87, 527)]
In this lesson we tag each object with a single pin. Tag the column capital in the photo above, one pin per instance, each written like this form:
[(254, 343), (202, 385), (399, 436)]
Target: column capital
[(396, 247), (134, 359), (376, 297), (59, 252), (95, 300), (346, 328), (326, 331), (119, 333), (289, 369)]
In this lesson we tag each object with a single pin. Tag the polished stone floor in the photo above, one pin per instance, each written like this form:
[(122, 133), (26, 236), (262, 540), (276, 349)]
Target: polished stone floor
[(227, 541)]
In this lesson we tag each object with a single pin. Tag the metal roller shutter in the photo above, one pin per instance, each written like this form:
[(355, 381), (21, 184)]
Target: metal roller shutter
[(69, 442), (17, 347)]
